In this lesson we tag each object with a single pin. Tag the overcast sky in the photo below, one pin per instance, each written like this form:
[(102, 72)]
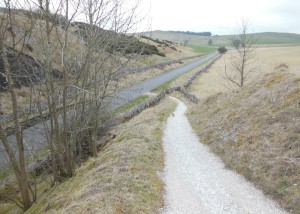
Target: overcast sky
[(220, 16)]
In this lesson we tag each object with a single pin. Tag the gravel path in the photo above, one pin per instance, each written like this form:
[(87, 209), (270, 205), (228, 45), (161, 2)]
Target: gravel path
[(197, 181)]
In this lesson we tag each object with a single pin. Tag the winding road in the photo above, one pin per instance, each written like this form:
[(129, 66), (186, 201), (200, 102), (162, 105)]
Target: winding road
[(196, 181), (35, 137)]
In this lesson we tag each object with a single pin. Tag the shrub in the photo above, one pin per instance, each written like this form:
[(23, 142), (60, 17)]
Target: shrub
[(222, 49)]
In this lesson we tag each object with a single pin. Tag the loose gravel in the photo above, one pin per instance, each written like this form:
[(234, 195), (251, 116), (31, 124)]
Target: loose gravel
[(196, 181)]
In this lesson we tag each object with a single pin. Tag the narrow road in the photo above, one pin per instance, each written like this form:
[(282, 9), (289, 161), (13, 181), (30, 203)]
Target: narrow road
[(35, 136), (197, 181), (139, 89)]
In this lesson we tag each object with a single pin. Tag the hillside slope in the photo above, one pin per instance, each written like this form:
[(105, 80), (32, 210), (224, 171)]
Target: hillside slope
[(256, 133), (191, 39), (266, 38), (124, 178)]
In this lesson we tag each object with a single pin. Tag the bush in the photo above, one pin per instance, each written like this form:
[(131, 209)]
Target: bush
[(222, 49)]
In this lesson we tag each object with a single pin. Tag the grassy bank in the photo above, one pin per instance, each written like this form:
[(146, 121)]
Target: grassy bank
[(256, 133), (124, 178)]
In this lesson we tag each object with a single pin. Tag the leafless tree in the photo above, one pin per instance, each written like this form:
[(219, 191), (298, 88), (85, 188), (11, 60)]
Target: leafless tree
[(9, 38), (242, 60), (78, 101), (89, 74)]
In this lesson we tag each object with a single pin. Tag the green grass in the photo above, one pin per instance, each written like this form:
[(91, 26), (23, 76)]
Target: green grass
[(164, 86), (131, 104), (202, 49)]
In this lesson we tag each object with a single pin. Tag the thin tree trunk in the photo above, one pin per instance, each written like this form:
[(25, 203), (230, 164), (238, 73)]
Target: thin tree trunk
[(21, 174)]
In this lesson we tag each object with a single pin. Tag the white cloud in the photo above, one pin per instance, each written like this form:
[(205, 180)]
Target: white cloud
[(220, 16)]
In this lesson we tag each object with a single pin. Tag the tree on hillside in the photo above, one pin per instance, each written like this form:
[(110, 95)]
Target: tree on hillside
[(8, 37), (90, 75), (89, 64), (210, 42), (242, 60)]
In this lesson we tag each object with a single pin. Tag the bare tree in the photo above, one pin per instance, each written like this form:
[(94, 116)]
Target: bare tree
[(78, 101), (242, 60), (89, 74), (11, 46)]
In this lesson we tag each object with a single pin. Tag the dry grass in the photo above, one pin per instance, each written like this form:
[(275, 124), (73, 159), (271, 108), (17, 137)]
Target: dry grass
[(256, 132), (124, 178), (38, 43), (274, 56), (128, 80), (255, 129), (213, 81), (9, 187)]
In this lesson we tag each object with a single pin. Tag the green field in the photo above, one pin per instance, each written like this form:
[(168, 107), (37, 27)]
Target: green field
[(203, 49), (268, 38)]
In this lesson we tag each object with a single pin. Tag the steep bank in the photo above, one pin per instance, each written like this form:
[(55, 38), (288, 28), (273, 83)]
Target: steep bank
[(124, 178), (256, 133)]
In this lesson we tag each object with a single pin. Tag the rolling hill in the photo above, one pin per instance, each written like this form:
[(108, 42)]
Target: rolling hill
[(266, 38)]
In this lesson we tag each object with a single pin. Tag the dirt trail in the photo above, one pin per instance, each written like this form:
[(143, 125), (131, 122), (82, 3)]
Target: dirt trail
[(197, 181)]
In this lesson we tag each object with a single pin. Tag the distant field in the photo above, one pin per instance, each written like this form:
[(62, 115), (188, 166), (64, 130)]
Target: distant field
[(203, 49), (268, 38), (278, 38)]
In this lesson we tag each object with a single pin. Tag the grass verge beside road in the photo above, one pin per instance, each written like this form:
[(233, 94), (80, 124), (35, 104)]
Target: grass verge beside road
[(131, 104)]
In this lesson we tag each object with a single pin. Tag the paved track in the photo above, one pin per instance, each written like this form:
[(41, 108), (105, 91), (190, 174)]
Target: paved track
[(35, 137)]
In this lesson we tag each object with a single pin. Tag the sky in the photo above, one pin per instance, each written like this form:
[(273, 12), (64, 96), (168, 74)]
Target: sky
[(217, 16), (220, 16)]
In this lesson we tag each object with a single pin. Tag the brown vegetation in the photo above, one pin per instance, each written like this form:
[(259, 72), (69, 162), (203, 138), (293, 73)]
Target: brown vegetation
[(256, 133), (124, 178)]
